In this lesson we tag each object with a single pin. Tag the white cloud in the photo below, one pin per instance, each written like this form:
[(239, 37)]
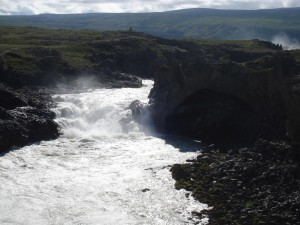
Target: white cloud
[(81, 6)]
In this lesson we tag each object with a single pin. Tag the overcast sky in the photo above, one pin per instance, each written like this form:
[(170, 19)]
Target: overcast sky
[(84, 6)]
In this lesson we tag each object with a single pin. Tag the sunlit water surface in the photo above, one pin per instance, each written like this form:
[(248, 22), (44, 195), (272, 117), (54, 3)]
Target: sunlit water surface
[(100, 171)]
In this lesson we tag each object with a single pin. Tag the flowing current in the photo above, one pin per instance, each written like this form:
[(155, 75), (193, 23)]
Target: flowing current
[(103, 170)]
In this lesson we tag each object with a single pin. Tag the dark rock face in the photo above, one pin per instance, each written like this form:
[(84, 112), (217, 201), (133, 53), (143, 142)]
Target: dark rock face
[(215, 117), (25, 117), (10, 99), (236, 103), (116, 79), (202, 95), (258, 185), (293, 109)]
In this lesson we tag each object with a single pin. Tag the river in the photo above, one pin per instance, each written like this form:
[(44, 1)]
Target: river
[(103, 170)]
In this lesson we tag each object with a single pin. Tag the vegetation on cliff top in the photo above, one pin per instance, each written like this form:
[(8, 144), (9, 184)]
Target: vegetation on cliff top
[(34, 51), (23, 49)]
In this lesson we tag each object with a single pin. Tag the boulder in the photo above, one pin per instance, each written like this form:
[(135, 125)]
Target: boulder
[(137, 108)]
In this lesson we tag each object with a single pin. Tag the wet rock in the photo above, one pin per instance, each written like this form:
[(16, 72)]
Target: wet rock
[(12, 133), (137, 108), (25, 117), (10, 99), (179, 172), (254, 185)]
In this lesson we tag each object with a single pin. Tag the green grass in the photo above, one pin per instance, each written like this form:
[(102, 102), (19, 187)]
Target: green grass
[(37, 51), (27, 45)]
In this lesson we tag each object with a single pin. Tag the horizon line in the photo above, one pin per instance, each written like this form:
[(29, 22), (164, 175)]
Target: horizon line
[(148, 12)]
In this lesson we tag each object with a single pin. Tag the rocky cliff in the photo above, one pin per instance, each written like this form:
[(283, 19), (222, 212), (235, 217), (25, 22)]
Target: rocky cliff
[(293, 109), (35, 56), (228, 101), (247, 103)]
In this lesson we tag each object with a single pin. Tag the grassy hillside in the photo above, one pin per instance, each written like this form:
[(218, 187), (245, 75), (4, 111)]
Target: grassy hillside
[(27, 52), (197, 23)]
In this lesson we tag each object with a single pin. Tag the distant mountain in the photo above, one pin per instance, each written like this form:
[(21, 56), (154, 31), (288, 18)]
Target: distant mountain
[(188, 23)]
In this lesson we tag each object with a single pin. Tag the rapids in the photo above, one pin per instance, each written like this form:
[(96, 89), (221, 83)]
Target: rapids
[(103, 170)]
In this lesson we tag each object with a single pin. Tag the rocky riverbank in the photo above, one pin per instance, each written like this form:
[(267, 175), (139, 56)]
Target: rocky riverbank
[(25, 116), (246, 103), (253, 185)]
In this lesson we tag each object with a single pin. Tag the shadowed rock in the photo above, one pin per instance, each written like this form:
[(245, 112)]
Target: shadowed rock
[(209, 98), (25, 117)]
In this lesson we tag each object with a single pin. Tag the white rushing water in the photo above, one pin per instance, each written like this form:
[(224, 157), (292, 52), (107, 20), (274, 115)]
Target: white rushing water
[(96, 173)]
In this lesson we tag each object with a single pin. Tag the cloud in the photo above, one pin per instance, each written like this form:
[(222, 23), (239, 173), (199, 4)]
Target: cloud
[(82, 6)]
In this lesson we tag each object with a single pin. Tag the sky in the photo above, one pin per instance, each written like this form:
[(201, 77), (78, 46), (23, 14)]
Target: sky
[(28, 7)]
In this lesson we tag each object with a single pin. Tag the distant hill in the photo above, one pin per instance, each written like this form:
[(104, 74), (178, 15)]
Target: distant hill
[(264, 24)]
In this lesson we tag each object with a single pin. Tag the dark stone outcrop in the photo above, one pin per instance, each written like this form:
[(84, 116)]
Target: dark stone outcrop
[(25, 117), (211, 99), (293, 109), (234, 103), (137, 109), (258, 185), (116, 79), (213, 116)]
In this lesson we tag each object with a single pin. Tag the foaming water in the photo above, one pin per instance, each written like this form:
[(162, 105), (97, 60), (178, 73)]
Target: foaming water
[(102, 171)]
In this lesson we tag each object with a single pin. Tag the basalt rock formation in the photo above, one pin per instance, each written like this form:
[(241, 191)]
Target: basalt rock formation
[(229, 102), (25, 117), (248, 105), (293, 109)]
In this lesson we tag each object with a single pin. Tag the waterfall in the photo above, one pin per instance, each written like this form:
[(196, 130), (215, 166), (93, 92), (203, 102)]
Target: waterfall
[(103, 169)]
